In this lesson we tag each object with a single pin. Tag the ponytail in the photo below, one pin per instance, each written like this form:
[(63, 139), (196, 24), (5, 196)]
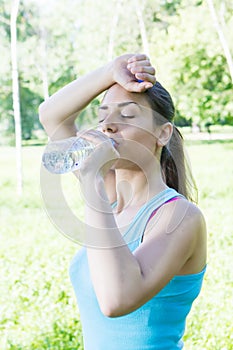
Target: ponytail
[(175, 168), (174, 165)]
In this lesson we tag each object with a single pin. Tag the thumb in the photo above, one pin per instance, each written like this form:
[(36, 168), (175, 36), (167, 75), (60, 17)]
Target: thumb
[(138, 86)]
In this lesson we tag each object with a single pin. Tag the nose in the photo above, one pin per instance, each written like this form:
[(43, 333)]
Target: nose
[(109, 125)]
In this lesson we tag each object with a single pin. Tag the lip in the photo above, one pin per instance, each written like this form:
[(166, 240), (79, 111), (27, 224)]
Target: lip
[(114, 142)]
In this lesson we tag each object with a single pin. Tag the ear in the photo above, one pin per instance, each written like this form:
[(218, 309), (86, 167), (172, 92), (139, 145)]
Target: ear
[(165, 133)]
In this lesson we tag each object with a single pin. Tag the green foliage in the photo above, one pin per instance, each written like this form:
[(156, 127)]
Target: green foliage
[(171, 7), (61, 40), (194, 67), (29, 112), (6, 113), (67, 76), (24, 21), (28, 109), (208, 88), (88, 117)]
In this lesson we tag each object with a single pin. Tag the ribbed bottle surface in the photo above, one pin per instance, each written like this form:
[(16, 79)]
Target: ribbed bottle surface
[(63, 156)]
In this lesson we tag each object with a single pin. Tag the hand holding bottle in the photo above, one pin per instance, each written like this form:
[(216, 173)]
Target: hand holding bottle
[(67, 155)]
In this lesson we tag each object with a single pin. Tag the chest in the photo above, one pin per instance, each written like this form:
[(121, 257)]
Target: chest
[(125, 218)]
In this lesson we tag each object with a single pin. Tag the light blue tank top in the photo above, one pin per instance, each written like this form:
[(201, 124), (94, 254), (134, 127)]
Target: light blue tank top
[(157, 325)]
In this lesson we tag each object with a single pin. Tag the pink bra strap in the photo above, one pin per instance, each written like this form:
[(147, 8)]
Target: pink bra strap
[(168, 201)]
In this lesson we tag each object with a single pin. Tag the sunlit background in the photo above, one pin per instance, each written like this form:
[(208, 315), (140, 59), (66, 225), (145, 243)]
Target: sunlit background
[(43, 46)]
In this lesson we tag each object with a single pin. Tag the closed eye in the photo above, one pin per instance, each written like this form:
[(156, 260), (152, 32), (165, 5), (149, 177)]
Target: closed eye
[(127, 116), (130, 111)]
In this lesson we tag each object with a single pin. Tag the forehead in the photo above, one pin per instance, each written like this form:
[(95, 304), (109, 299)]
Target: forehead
[(117, 94)]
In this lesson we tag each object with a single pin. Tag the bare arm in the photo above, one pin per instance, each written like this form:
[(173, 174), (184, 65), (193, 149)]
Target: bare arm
[(58, 113), (123, 281)]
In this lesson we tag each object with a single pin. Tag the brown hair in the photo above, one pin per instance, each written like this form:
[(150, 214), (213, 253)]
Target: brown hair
[(175, 168)]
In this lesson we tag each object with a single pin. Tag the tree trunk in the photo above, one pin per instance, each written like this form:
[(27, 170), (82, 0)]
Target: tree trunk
[(222, 38), (113, 30), (221, 15), (44, 66), (142, 27), (15, 92)]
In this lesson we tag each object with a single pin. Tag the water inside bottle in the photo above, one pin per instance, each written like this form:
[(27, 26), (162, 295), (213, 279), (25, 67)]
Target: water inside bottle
[(58, 162), (66, 155)]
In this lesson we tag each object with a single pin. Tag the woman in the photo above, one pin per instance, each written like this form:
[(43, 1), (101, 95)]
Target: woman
[(145, 254)]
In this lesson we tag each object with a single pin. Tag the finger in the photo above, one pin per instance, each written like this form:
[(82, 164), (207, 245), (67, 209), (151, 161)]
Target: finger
[(138, 86), (139, 63), (142, 69), (138, 57), (90, 135), (146, 77)]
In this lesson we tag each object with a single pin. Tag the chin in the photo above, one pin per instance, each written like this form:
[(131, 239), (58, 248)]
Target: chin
[(124, 164)]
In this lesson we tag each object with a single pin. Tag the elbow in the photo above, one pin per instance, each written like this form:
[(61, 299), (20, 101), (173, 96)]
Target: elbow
[(112, 312), (116, 307), (46, 119), (42, 113), (121, 298)]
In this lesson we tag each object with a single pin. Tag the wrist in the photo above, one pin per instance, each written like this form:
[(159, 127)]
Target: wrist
[(108, 74), (94, 192)]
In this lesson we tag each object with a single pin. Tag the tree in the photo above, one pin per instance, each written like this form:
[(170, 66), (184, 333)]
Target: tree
[(15, 90), (61, 40), (219, 28), (114, 29), (142, 27)]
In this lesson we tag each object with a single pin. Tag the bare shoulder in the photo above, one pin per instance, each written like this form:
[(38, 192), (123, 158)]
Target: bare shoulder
[(178, 213), (181, 224), (190, 214)]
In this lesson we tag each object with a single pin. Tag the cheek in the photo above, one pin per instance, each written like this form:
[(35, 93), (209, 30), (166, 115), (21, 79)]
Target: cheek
[(141, 141), (148, 140)]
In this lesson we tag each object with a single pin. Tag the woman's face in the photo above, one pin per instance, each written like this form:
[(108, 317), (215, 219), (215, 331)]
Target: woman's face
[(126, 115), (128, 119)]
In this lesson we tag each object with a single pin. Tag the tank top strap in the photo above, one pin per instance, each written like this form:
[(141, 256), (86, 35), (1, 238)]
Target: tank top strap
[(135, 231)]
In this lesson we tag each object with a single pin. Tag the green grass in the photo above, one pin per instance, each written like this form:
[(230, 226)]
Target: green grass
[(210, 323), (225, 129), (38, 308)]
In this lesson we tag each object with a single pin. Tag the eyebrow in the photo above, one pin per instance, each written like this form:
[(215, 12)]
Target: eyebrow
[(122, 104)]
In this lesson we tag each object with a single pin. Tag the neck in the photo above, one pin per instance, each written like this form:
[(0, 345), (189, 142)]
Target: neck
[(134, 187)]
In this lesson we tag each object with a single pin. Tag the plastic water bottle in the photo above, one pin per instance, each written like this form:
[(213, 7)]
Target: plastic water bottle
[(66, 155)]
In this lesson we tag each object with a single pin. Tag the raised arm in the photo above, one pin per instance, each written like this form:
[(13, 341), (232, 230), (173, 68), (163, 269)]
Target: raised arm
[(58, 113)]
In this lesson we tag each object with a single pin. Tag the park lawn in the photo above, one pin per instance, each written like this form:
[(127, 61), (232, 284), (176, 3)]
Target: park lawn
[(38, 309)]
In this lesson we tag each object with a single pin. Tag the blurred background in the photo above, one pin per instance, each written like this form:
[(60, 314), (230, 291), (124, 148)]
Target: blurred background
[(46, 44)]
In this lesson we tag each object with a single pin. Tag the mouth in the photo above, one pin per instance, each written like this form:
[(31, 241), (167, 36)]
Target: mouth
[(114, 142)]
